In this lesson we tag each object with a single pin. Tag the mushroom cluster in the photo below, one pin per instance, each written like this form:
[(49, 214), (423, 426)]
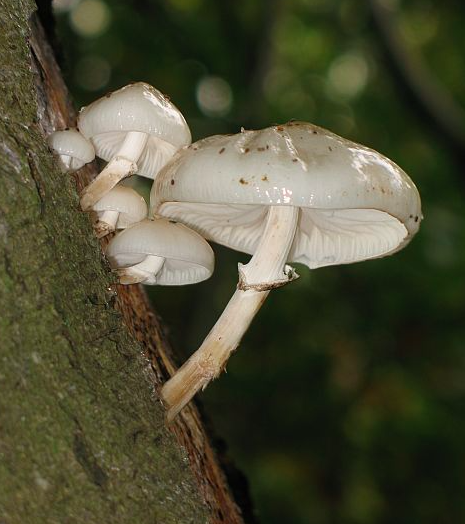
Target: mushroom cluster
[(291, 193), (137, 130)]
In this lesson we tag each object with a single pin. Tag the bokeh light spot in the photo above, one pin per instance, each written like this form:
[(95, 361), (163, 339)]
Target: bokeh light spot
[(419, 27), (92, 72), (214, 96), (90, 18), (63, 6), (348, 75)]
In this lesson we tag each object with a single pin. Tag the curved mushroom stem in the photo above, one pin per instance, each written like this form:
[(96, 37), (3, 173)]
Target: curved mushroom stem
[(66, 161), (105, 223), (123, 164), (142, 272), (265, 271)]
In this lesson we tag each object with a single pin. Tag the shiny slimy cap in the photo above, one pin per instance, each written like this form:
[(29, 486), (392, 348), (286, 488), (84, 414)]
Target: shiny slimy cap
[(135, 107), (355, 203), (161, 252), (72, 147)]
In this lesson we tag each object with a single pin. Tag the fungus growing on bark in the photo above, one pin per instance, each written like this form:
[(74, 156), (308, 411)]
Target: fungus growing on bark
[(161, 252), (120, 208), (289, 193), (73, 149), (137, 129)]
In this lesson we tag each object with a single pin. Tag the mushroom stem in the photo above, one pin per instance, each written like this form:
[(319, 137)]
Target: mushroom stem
[(66, 161), (141, 272), (265, 271), (105, 223), (123, 164)]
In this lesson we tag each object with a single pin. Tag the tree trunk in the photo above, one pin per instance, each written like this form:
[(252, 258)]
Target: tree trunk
[(82, 433)]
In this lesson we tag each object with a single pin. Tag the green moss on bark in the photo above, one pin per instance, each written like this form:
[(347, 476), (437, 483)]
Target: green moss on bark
[(82, 437)]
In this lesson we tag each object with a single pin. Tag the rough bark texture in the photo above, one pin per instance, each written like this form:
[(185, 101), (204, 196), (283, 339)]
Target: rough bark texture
[(82, 434)]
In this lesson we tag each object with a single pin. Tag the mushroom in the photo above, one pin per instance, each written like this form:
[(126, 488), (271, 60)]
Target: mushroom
[(162, 252), (73, 149), (137, 129), (294, 192), (120, 208)]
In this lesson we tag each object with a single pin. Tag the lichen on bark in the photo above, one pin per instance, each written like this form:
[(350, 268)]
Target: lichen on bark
[(82, 434)]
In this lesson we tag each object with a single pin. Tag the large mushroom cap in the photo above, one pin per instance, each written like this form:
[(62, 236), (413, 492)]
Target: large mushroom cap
[(74, 149), (188, 257), (355, 203), (136, 107), (127, 202)]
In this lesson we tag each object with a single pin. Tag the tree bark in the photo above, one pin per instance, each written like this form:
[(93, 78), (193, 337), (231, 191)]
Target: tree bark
[(82, 433)]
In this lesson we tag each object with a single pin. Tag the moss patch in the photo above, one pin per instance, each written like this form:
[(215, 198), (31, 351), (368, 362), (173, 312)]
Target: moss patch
[(82, 437)]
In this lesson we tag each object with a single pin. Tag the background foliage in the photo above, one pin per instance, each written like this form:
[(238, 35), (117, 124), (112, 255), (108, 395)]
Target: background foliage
[(345, 402)]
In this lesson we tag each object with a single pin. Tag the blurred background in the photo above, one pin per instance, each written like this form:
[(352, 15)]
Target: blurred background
[(345, 402)]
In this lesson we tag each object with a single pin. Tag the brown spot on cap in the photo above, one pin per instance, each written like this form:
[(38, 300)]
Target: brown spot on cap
[(315, 132), (294, 159), (265, 178), (243, 182), (280, 128), (246, 150), (267, 146), (221, 150), (416, 219), (260, 149), (172, 182), (330, 148), (172, 221)]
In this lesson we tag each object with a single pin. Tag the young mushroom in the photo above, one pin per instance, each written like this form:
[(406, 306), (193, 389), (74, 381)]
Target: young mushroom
[(162, 252), (74, 149), (120, 208), (137, 129), (294, 192)]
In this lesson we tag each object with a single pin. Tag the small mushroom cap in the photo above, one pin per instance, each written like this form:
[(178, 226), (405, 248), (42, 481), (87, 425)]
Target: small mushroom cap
[(355, 203), (136, 107), (188, 257), (71, 143), (131, 206)]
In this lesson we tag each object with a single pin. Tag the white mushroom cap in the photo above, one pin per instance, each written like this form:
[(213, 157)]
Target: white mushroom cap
[(188, 258), (136, 107), (355, 203), (131, 206), (121, 207), (74, 149)]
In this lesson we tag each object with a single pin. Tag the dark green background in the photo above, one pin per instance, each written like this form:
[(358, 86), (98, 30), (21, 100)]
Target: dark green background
[(345, 402)]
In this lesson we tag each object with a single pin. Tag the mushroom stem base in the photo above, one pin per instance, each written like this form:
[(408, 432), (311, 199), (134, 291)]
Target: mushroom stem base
[(144, 273), (105, 223), (265, 270), (209, 360), (66, 161)]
